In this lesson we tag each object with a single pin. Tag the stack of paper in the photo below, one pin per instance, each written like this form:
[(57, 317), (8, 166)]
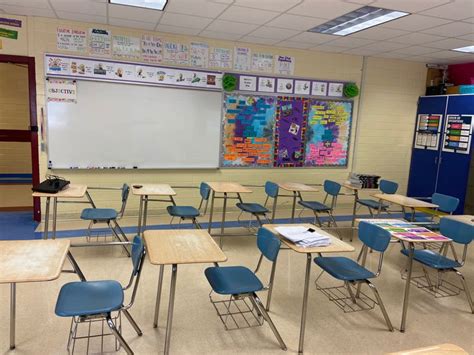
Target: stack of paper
[(303, 237)]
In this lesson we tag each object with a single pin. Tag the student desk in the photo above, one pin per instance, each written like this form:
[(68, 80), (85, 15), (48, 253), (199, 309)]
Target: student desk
[(224, 188), (296, 189), (436, 238), (71, 191), (144, 192), (442, 349), (174, 247), (30, 261), (468, 219), (336, 246), (404, 202)]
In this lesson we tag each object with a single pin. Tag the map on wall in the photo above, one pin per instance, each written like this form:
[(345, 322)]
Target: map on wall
[(290, 131), (248, 131), (328, 133)]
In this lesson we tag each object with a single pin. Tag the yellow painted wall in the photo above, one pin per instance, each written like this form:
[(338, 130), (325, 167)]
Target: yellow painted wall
[(388, 105)]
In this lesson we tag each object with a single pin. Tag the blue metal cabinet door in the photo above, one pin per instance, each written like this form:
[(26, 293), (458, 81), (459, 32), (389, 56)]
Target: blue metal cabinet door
[(424, 162), (454, 166)]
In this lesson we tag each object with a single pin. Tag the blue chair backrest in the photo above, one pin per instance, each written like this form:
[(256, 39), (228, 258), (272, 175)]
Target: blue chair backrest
[(373, 236), (125, 192), (332, 188), (138, 249), (204, 190), (268, 243), (446, 203), (271, 189), (458, 231), (388, 187)]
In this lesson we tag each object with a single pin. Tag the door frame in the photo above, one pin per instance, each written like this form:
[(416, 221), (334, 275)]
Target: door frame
[(32, 134)]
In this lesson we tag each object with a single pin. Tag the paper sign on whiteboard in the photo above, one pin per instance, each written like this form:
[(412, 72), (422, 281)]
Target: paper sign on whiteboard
[(126, 47), (69, 39), (100, 42), (61, 90)]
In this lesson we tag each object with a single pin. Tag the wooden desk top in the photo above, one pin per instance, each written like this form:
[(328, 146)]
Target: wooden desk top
[(465, 218), (153, 190), (183, 246), (71, 191), (442, 349), (297, 187), (337, 245), (229, 187), (404, 200), (32, 260)]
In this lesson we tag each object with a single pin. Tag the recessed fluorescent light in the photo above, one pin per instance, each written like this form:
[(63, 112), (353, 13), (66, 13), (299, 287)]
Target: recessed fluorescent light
[(358, 20), (147, 4), (468, 49)]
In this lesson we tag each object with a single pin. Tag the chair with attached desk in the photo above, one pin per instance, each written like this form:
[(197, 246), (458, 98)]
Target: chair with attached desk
[(108, 216), (241, 283), (460, 233), (355, 274), (92, 301), (256, 209), (386, 187), (190, 212), (446, 205)]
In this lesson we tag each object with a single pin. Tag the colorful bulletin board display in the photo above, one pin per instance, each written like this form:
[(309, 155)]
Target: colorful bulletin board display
[(328, 133), (248, 124), (290, 130), (458, 133), (428, 131)]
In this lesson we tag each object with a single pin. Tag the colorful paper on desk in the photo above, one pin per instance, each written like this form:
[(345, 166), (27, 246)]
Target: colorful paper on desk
[(406, 230)]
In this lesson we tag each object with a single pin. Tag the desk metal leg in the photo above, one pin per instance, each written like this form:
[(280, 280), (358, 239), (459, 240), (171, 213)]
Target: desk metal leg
[(379, 209), (305, 303), (75, 266), (140, 213), (211, 212), (412, 215), (145, 213), (293, 209), (411, 247), (354, 210), (90, 199), (158, 296), (224, 208), (12, 314), (55, 213), (46, 219), (174, 273)]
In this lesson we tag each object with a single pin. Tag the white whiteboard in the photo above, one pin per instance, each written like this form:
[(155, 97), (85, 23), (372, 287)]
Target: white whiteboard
[(133, 126)]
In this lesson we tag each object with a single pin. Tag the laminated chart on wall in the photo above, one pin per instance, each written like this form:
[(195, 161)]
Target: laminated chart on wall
[(458, 133), (328, 133), (428, 131), (290, 129), (248, 131)]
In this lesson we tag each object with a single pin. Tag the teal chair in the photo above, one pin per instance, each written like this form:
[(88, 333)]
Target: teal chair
[(190, 212), (386, 187), (447, 205), (256, 209)]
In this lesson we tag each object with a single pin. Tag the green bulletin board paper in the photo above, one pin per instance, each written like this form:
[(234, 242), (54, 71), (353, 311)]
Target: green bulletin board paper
[(11, 34)]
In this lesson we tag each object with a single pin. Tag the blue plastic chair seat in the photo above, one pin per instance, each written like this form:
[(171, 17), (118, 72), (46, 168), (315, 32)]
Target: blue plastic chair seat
[(183, 211), (88, 298), (432, 259), (343, 268), (99, 214), (232, 280), (252, 208), (372, 203), (314, 205)]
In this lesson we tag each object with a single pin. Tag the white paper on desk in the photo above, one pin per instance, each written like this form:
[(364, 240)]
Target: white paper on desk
[(303, 237)]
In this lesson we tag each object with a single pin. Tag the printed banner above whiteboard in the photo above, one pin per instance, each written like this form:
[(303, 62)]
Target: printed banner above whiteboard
[(127, 72)]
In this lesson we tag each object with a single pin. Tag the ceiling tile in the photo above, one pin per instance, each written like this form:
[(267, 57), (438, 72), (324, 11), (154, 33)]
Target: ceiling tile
[(449, 54), (422, 59), (243, 14), (134, 13), (359, 51), (258, 40), (469, 37), (293, 44), (180, 20), (80, 6), (457, 10), (470, 20), (273, 33), (361, 2), (202, 8), (327, 9), (350, 42), (296, 22), (272, 5), (177, 29), (410, 5), (379, 33), (384, 46), (312, 38), (41, 4), (74, 16), (416, 38), (132, 23), (231, 27), (449, 43), (220, 35), (328, 48), (416, 50), (392, 55), (452, 29), (415, 23), (27, 11)]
